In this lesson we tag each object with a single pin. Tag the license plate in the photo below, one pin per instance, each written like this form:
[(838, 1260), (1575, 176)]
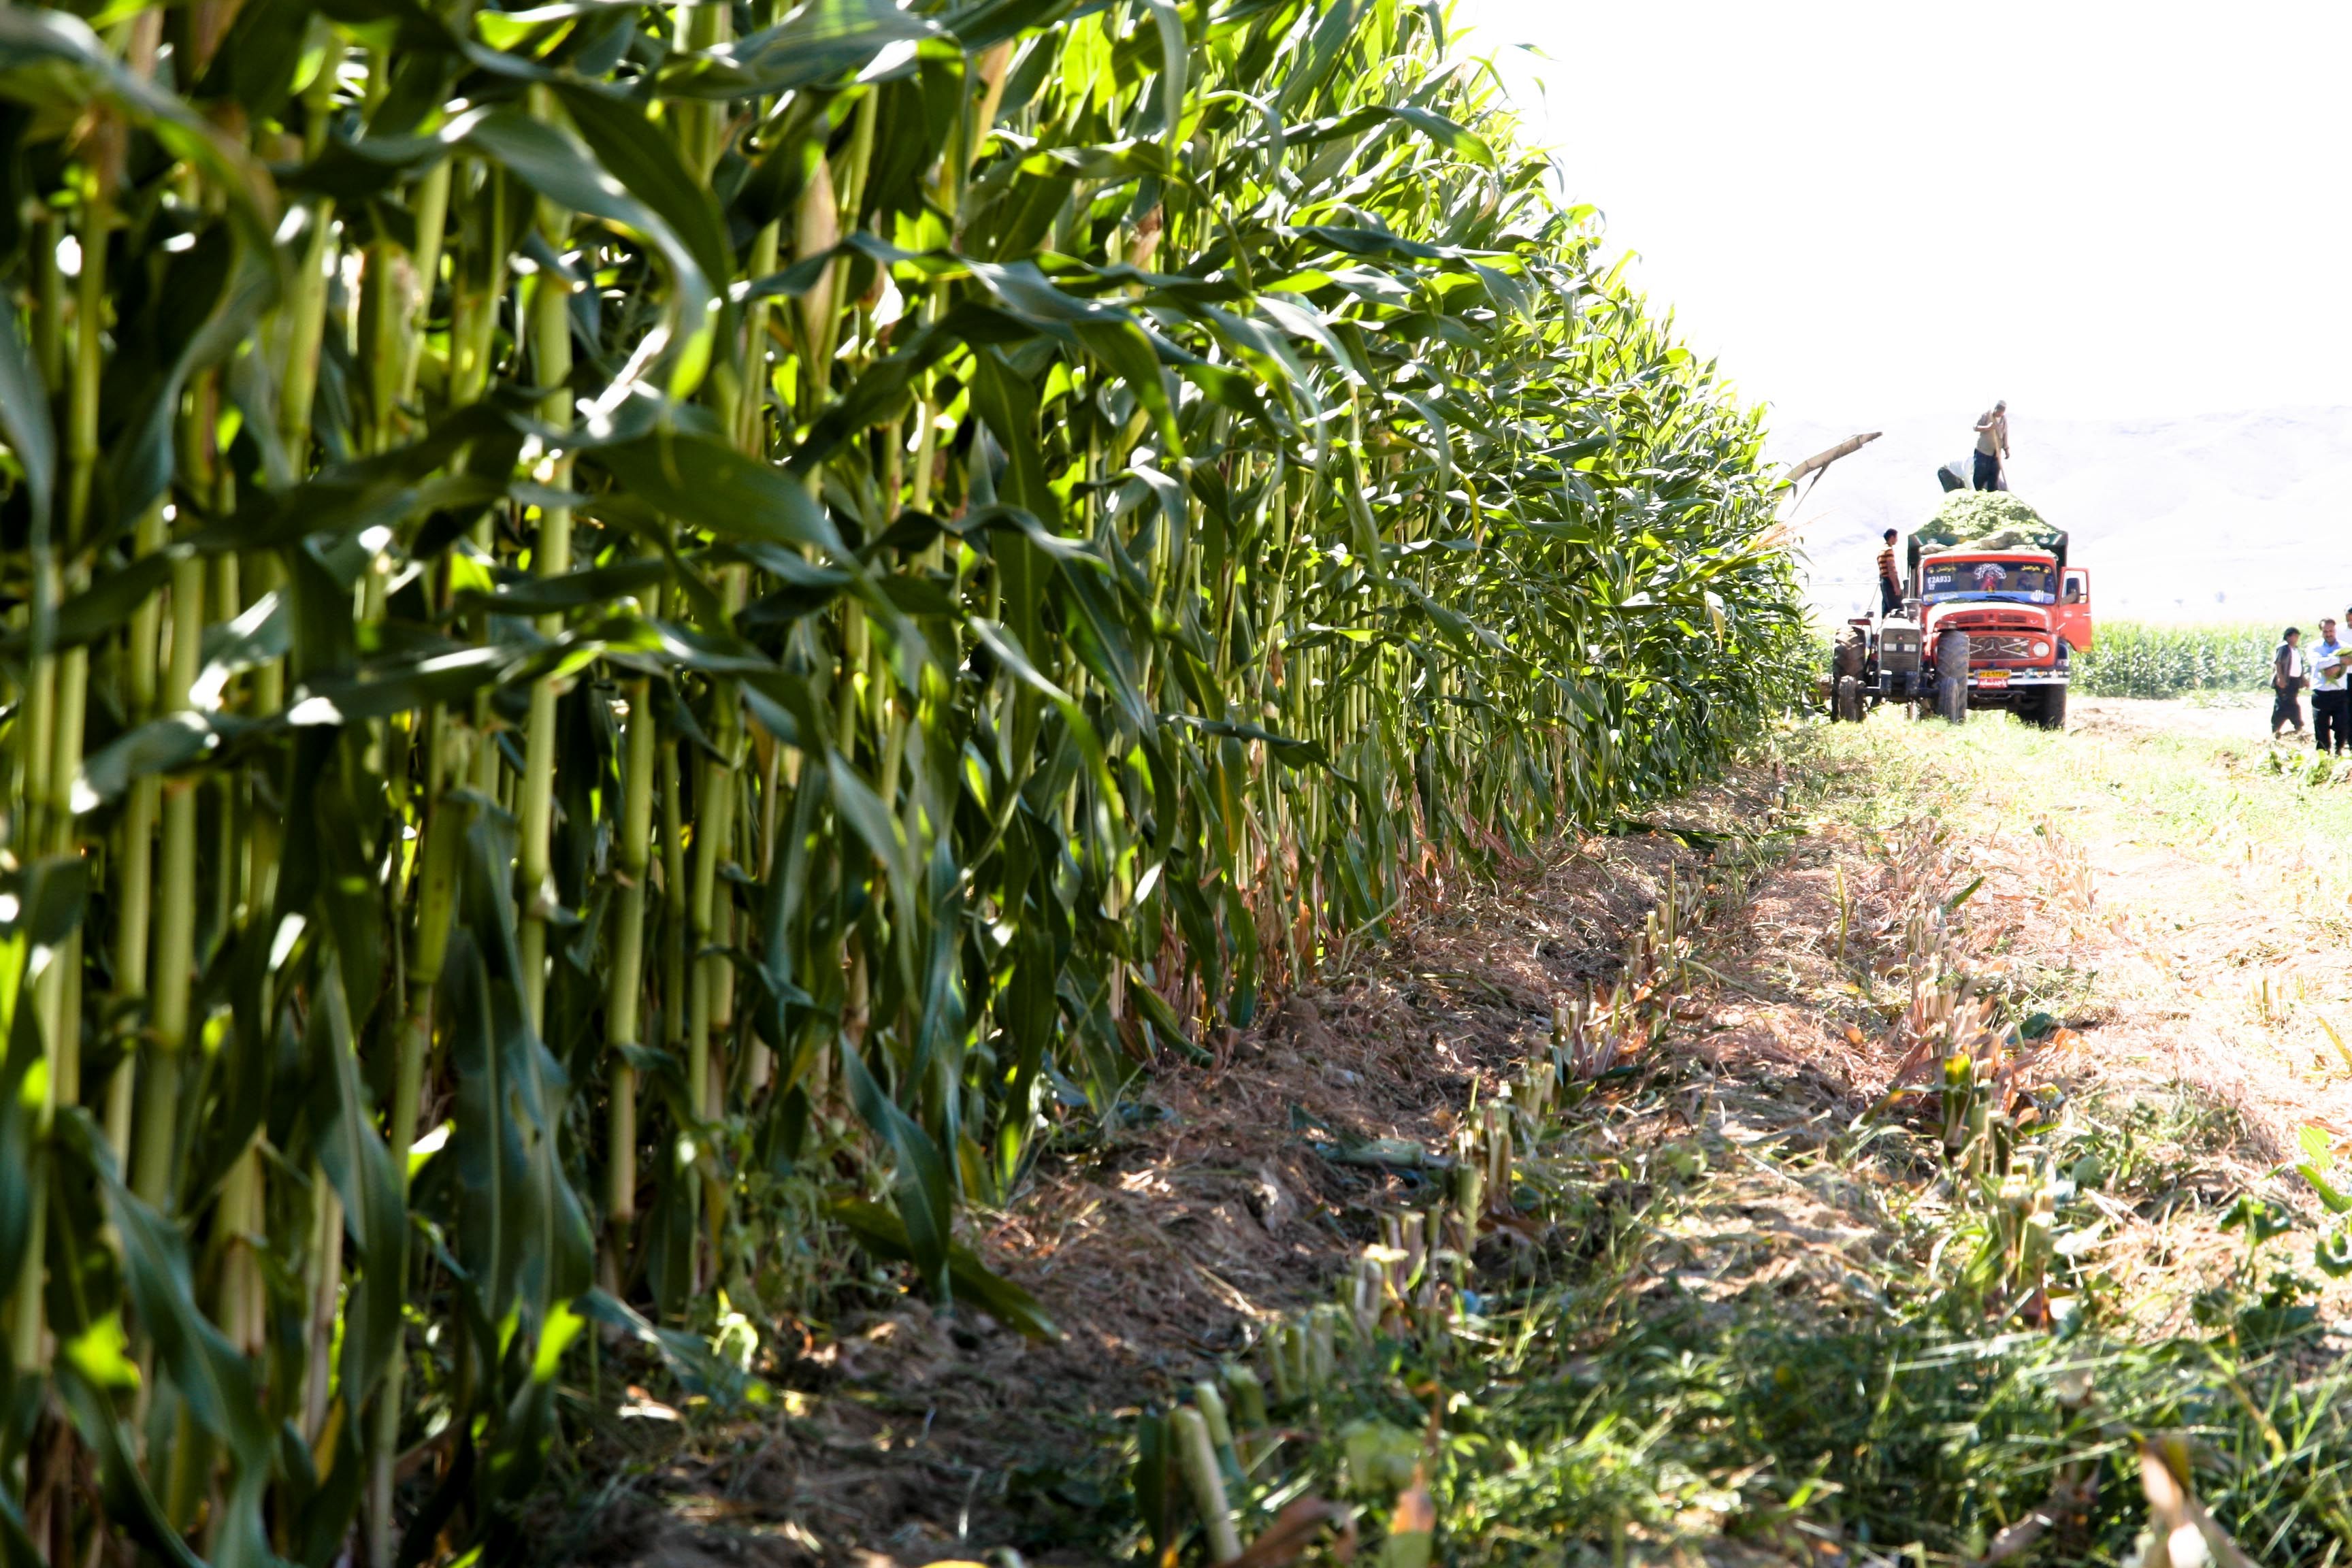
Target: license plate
[(1992, 677)]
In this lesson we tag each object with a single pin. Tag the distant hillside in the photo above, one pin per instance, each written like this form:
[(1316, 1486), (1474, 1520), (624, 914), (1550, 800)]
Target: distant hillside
[(2216, 517)]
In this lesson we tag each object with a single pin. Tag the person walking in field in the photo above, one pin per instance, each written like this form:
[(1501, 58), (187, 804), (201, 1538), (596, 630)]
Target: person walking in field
[(1890, 580), (2287, 681), (2331, 703), (1992, 446)]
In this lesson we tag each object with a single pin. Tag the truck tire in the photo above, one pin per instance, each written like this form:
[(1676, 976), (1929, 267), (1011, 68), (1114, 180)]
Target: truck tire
[(1849, 699), (1952, 676), (2047, 711)]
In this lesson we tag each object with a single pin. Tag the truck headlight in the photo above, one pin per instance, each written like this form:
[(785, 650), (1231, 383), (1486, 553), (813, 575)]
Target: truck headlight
[(2042, 650)]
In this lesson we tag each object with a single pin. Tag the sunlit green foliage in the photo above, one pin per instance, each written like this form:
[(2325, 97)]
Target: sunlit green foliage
[(641, 631)]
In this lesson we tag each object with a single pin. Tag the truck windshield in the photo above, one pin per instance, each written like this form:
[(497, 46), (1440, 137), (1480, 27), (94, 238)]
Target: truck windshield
[(2026, 582)]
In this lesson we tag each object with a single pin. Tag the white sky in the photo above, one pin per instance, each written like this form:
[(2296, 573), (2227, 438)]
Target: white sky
[(1869, 211)]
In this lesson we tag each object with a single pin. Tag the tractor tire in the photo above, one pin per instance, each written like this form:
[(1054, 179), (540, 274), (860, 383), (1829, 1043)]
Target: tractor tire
[(1849, 699), (1952, 676), (1846, 659)]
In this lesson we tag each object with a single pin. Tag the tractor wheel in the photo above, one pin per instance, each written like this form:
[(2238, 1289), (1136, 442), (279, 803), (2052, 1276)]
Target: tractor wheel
[(1952, 676), (1849, 699), (1846, 668)]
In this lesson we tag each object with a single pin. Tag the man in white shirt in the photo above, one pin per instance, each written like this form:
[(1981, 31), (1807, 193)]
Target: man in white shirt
[(2331, 704), (1992, 446)]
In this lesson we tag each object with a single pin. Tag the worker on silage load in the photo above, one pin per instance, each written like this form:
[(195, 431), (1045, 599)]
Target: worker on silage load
[(1890, 581), (1992, 446)]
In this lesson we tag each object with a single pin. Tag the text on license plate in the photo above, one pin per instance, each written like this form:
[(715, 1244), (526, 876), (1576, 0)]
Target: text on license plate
[(1992, 677)]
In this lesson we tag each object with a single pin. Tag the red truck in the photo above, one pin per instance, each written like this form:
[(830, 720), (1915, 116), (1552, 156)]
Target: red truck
[(1979, 627)]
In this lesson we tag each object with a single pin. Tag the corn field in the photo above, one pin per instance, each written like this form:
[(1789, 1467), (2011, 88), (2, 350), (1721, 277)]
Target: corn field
[(2130, 658), (642, 641)]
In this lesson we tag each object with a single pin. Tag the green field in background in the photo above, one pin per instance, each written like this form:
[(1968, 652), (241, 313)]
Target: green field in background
[(2133, 659)]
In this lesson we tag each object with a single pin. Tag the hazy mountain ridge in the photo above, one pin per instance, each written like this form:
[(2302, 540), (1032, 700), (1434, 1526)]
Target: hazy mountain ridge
[(2211, 516)]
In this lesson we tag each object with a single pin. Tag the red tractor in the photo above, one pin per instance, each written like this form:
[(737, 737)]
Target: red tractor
[(1982, 626)]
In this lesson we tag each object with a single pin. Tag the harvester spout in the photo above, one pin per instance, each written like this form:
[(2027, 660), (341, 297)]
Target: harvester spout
[(1818, 464)]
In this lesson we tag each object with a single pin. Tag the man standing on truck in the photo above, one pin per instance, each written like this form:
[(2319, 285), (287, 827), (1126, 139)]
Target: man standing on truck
[(1890, 580), (2331, 704), (1992, 446)]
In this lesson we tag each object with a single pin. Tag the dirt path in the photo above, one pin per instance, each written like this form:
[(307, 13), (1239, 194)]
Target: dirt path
[(2174, 889), (2225, 715), (2219, 874)]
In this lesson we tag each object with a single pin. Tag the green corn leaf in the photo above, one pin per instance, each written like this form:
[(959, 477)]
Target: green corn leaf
[(52, 58), (356, 1161), (1446, 133), (710, 485), (648, 165), (920, 1185), (556, 165), (160, 747), (880, 1232), (24, 418), (130, 1502), (205, 1370), (818, 41), (689, 1357)]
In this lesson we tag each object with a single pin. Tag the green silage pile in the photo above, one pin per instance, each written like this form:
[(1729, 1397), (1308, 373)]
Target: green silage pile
[(1987, 520)]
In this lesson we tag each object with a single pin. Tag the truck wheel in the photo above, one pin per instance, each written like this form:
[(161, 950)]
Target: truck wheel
[(1849, 699), (2049, 709), (1952, 676)]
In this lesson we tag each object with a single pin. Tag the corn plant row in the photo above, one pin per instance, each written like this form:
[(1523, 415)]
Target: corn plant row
[(644, 638), (2133, 659)]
